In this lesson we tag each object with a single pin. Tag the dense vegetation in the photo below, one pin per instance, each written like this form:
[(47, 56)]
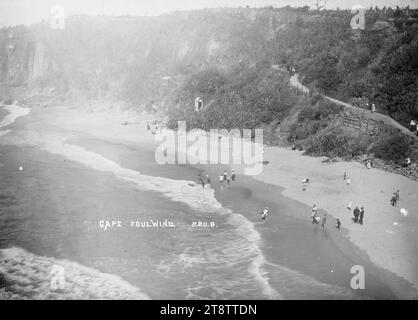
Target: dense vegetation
[(378, 64), (243, 97), (225, 57)]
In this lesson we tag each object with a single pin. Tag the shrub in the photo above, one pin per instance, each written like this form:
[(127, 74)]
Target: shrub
[(330, 144), (395, 148), (324, 110)]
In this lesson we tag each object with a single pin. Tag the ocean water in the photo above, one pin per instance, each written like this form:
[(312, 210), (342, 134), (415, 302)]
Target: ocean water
[(52, 208), (54, 194)]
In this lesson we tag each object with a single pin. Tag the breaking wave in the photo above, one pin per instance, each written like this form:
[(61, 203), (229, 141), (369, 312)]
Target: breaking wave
[(14, 113), (188, 192), (24, 275)]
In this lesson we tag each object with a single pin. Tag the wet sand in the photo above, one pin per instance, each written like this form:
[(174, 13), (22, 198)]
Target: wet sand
[(288, 241), (289, 238)]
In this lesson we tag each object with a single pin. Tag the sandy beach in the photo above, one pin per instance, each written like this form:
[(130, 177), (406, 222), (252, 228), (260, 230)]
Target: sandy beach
[(387, 238)]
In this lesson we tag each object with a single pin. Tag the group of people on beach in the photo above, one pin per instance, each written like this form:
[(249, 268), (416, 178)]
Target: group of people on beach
[(203, 180), (224, 177), (357, 213), (316, 219)]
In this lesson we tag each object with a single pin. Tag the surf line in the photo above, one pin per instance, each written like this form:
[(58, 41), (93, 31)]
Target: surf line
[(14, 113), (183, 191)]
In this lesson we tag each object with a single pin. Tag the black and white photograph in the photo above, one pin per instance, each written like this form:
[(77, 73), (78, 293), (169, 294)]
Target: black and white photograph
[(228, 150)]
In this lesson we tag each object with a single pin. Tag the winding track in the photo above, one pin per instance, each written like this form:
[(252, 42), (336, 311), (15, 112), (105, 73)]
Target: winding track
[(294, 82)]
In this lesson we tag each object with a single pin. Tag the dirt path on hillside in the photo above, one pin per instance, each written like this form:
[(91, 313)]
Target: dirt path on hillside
[(294, 82)]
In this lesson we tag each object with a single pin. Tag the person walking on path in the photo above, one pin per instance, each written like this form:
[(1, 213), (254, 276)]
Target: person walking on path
[(373, 107), (361, 215), (412, 125)]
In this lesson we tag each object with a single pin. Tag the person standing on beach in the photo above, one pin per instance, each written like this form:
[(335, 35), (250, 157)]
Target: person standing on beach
[(395, 198), (361, 215), (232, 175), (201, 181), (348, 180), (225, 175), (338, 226), (314, 213), (324, 221), (317, 218), (304, 184), (264, 213), (356, 214), (221, 178), (208, 179), (396, 194), (345, 176)]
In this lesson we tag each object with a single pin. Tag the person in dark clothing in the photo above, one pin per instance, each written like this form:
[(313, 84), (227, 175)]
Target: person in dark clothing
[(324, 221), (361, 215), (233, 175), (201, 181), (356, 213), (396, 194), (338, 226), (395, 198)]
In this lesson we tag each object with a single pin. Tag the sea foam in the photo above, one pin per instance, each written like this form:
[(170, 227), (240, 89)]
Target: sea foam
[(188, 192), (28, 276)]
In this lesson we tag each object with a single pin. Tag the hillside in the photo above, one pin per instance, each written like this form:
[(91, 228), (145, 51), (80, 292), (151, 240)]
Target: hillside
[(225, 57)]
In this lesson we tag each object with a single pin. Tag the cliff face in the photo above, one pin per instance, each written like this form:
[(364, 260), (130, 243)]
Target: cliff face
[(40, 63), (23, 59), (132, 58), (129, 56)]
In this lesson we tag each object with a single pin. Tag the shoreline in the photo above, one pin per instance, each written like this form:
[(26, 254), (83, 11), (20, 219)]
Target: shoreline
[(379, 245), (369, 188), (303, 276)]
